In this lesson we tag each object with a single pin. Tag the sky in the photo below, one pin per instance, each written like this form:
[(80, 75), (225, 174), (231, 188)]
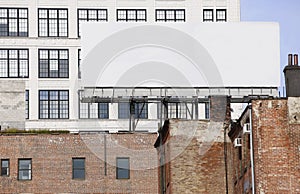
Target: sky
[(286, 13)]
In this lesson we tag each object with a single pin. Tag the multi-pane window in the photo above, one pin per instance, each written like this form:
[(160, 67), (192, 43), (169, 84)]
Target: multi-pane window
[(177, 110), (13, 63), (78, 168), (53, 104), (91, 15), (53, 22), (94, 110), (123, 169), (5, 167), (131, 15), (140, 110), (54, 63), (13, 22), (208, 15), (176, 15), (24, 172), (27, 104), (221, 15)]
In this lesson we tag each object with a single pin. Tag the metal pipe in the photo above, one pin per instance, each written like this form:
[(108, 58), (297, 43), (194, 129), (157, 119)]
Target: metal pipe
[(296, 59), (251, 150), (290, 59)]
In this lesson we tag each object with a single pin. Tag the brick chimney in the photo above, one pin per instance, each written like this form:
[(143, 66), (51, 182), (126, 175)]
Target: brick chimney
[(292, 76)]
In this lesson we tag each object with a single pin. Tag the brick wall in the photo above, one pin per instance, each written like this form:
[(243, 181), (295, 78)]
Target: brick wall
[(52, 163), (194, 152), (276, 133)]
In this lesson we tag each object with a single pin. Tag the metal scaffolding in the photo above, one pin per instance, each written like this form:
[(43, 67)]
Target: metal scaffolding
[(163, 96)]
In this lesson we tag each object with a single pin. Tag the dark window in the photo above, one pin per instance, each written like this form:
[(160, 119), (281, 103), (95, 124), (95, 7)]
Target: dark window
[(90, 15), (79, 62), (5, 167), (27, 104), (207, 109), (53, 104), (140, 110), (165, 15), (24, 169), (14, 63), (53, 63), (94, 111), (208, 15), (13, 22), (78, 168), (131, 15), (221, 15), (123, 170), (53, 22)]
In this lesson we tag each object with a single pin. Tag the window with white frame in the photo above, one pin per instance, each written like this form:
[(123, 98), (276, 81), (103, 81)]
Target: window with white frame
[(53, 104), (208, 15), (53, 22), (176, 15), (94, 110), (53, 63), (135, 15), (177, 110), (13, 22), (14, 63), (91, 15), (221, 15), (24, 172), (79, 62)]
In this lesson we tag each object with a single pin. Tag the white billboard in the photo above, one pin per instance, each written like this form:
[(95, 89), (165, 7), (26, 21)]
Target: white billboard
[(238, 54)]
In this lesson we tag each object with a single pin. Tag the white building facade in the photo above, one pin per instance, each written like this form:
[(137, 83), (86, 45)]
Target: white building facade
[(40, 44)]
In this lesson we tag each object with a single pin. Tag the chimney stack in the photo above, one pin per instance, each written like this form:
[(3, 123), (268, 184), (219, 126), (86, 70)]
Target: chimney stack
[(292, 76)]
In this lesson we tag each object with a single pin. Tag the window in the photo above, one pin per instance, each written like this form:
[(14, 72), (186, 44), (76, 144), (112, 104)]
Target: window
[(53, 63), (177, 110), (207, 109), (90, 15), (79, 62), (5, 167), (78, 168), (131, 15), (13, 22), (53, 104), (27, 104), (123, 171), (53, 22), (175, 15), (208, 15), (24, 169), (221, 15), (140, 110), (94, 111), (13, 63)]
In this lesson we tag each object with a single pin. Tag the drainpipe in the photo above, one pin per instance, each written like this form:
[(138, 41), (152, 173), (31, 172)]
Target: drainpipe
[(251, 151)]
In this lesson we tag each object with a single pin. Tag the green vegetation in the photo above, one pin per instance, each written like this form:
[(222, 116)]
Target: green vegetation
[(43, 131)]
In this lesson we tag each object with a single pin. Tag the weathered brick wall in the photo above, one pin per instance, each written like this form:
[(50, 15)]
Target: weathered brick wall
[(12, 104), (276, 133), (52, 163), (197, 157)]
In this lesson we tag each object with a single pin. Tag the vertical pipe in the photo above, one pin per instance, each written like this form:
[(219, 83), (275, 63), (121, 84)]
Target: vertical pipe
[(296, 59), (251, 151), (290, 59)]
